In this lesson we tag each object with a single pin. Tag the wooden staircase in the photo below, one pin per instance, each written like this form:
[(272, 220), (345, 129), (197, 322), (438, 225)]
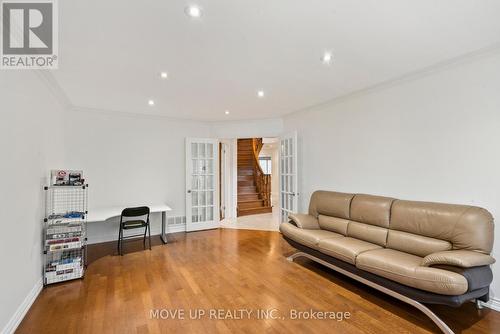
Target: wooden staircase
[(254, 187)]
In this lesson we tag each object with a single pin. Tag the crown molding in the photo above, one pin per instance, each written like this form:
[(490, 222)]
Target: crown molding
[(48, 78), (59, 94), (441, 66), (128, 114)]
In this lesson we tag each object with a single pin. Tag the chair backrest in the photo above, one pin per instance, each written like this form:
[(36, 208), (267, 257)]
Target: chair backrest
[(135, 212)]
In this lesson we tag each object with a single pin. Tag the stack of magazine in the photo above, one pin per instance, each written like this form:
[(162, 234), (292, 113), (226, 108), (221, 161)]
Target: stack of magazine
[(65, 226)]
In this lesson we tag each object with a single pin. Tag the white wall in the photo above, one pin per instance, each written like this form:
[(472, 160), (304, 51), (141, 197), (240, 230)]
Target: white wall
[(435, 138), (31, 142), (130, 160), (247, 129)]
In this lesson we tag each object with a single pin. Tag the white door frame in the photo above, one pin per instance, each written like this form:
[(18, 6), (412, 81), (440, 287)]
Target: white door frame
[(231, 178), (224, 178), (288, 159), (215, 221)]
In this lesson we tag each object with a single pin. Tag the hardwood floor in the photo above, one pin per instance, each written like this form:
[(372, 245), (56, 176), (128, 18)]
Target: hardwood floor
[(230, 270)]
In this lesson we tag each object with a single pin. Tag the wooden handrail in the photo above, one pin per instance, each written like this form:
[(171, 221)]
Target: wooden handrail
[(262, 180)]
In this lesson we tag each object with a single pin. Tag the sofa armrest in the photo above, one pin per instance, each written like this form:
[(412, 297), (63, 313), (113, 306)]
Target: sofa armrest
[(458, 258), (304, 221)]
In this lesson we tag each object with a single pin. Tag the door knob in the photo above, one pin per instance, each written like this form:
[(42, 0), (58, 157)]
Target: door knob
[(189, 191)]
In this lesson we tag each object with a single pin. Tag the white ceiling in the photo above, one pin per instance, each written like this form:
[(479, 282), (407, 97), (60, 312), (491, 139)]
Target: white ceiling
[(112, 52)]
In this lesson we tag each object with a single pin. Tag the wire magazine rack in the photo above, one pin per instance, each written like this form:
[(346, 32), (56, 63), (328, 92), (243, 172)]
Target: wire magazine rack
[(65, 233)]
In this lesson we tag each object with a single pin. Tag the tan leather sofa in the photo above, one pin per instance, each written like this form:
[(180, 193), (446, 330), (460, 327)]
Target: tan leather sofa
[(428, 252)]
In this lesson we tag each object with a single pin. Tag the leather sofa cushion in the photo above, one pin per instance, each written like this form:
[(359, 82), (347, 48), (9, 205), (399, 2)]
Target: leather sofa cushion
[(477, 277), (309, 238), (304, 221), (466, 227), (370, 233), (346, 249), (405, 268), (330, 203), (415, 244), (374, 210), (458, 258), (333, 224)]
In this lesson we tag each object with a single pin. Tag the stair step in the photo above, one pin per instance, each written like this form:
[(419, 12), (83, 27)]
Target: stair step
[(253, 204), (245, 178), (248, 197), (243, 172), (246, 183), (253, 211), (247, 189)]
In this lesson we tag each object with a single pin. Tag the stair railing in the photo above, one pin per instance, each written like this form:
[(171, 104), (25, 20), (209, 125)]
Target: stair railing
[(262, 180)]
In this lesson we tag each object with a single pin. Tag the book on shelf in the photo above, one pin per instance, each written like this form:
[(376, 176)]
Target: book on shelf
[(66, 177), (63, 275), (62, 218), (61, 236), (66, 264), (65, 246), (62, 241), (54, 230)]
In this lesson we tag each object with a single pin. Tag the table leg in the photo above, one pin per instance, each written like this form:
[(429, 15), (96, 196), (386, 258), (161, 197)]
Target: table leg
[(163, 234)]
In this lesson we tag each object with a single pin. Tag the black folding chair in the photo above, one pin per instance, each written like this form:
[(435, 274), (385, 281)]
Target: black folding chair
[(134, 218)]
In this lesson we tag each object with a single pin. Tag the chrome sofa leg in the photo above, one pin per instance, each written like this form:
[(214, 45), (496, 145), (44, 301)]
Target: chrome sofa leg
[(440, 323), (479, 304), (296, 255), (437, 320)]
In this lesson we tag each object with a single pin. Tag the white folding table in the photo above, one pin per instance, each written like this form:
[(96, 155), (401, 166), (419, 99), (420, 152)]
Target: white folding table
[(103, 214)]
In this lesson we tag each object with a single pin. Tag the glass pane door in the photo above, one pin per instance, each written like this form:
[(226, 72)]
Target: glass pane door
[(201, 184), (288, 176)]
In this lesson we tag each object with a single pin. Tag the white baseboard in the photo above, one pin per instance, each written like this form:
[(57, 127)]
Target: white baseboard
[(493, 304), (176, 228), (21, 311)]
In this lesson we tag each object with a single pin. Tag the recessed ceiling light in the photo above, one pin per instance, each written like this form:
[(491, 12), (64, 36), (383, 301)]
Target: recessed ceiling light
[(151, 102), (193, 11), (260, 93), (327, 58), (226, 112), (163, 75)]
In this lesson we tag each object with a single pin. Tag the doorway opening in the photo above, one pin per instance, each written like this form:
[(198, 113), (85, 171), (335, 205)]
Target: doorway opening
[(255, 157), (240, 183)]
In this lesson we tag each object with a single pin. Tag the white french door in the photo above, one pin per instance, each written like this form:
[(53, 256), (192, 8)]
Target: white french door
[(202, 183), (288, 176)]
